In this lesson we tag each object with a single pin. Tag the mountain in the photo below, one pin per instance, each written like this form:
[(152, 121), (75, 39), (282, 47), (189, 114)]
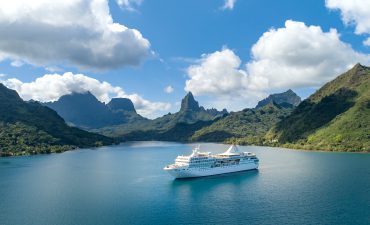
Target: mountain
[(178, 132), (82, 110), (248, 126), (29, 127), (215, 112), (86, 111), (188, 103), (288, 97), (177, 126), (191, 112), (121, 104), (336, 117), (194, 123)]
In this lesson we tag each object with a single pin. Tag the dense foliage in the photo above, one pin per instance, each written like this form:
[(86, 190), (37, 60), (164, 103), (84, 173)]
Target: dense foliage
[(20, 139), (178, 126), (194, 123), (249, 125), (336, 117), (31, 128), (181, 132)]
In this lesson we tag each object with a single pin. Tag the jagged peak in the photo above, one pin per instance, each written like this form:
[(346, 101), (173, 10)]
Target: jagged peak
[(189, 103), (189, 95), (359, 67)]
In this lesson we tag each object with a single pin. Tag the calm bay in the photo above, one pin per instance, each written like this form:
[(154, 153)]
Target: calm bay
[(125, 184)]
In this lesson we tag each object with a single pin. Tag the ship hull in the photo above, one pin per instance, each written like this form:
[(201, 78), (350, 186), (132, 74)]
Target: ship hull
[(202, 172)]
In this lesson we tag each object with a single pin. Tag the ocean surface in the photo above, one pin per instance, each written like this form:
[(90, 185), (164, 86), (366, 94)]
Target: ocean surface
[(125, 184)]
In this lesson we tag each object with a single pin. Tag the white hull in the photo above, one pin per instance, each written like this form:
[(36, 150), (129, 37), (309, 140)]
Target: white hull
[(201, 172)]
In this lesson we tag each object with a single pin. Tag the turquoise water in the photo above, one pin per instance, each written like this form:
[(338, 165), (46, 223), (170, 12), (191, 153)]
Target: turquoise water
[(125, 184)]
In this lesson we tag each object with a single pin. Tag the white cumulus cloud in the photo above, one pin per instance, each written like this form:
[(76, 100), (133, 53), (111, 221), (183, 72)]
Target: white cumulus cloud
[(169, 89), (220, 75), (51, 87), (217, 73), (355, 12), (298, 55), (229, 4), (295, 56), (78, 33)]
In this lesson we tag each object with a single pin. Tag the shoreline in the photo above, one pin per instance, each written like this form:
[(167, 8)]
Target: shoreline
[(46, 152), (11, 154)]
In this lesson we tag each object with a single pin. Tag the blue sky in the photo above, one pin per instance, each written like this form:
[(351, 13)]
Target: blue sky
[(203, 35)]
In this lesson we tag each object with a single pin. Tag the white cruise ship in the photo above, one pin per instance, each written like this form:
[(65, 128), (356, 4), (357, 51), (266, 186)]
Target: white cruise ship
[(200, 164)]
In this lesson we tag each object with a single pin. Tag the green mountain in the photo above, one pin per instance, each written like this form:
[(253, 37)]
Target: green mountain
[(247, 126), (288, 97), (194, 123), (84, 110), (190, 112), (172, 127), (336, 117), (29, 127)]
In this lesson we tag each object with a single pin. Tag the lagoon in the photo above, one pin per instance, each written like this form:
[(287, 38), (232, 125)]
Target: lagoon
[(125, 184)]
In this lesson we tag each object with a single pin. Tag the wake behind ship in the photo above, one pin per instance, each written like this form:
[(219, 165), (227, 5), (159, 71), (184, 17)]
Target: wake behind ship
[(200, 164)]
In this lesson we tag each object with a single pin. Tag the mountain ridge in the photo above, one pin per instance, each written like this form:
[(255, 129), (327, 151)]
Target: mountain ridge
[(247, 126), (29, 127), (288, 97), (336, 117), (84, 110), (189, 114)]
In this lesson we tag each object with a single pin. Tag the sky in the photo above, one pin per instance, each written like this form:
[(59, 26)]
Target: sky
[(228, 53)]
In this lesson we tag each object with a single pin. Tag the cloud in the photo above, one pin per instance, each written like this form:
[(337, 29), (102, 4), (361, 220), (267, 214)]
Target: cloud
[(295, 56), (75, 33), (51, 87), (169, 89), (17, 63), (53, 69), (220, 75), (367, 42), (301, 56), (217, 73), (356, 12), (229, 4), (129, 5)]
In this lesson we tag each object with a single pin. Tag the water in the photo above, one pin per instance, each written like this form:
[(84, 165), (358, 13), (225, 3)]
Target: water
[(126, 185)]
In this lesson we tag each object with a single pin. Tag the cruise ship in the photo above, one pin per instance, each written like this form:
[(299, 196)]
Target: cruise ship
[(200, 164)]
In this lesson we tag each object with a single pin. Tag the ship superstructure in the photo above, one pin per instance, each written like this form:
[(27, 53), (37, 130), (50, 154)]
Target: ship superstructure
[(200, 164)]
